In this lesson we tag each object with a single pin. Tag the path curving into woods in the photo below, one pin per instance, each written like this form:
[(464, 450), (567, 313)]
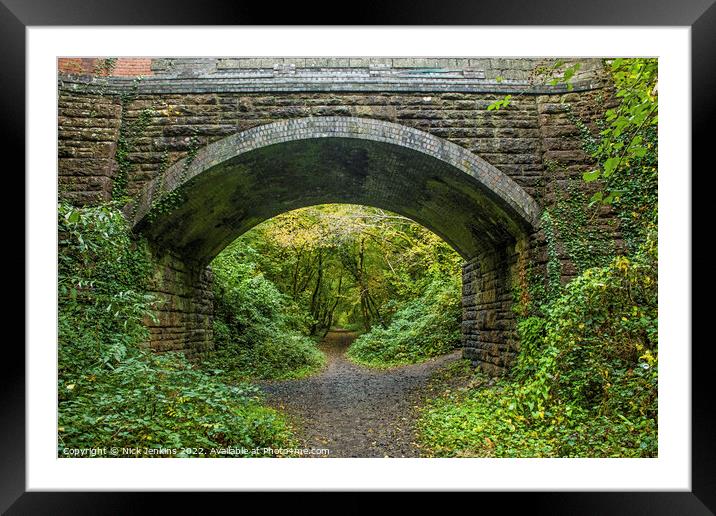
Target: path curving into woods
[(352, 410)]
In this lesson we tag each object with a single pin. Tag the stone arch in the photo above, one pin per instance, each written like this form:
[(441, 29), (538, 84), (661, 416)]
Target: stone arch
[(199, 205), (202, 203)]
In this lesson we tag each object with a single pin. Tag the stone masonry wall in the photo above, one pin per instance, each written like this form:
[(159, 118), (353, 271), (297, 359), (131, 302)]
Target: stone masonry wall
[(509, 139), (565, 161), (488, 326), (185, 308), (186, 105), (88, 130), (193, 102)]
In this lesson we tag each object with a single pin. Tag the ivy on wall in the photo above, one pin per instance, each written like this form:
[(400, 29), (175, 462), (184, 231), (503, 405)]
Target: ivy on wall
[(129, 130), (168, 201), (586, 243)]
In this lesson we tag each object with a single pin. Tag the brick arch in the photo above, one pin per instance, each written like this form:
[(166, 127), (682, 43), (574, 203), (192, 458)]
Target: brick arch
[(200, 204)]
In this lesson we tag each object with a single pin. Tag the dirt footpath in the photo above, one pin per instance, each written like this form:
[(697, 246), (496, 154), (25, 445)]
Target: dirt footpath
[(352, 410)]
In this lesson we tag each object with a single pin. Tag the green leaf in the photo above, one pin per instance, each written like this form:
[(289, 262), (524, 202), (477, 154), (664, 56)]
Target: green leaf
[(609, 198), (597, 197), (638, 152), (500, 103), (610, 165), (591, 176)]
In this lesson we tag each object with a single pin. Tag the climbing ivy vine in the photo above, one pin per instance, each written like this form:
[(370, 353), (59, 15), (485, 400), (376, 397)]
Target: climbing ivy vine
[(586, 243), (129, 130), (106, 66), (168, 201)]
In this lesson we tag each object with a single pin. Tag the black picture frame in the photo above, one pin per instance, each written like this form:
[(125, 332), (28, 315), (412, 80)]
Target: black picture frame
[(16, 15)]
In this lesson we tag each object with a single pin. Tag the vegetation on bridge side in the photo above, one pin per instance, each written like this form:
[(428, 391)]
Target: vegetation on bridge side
[(586, 379), (114, 393), (585, 384)]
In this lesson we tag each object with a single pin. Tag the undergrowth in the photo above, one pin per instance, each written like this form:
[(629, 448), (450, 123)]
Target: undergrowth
[(112, 391), (585, 382)]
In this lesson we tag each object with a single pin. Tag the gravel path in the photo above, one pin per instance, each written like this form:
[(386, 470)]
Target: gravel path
[(352, 410)]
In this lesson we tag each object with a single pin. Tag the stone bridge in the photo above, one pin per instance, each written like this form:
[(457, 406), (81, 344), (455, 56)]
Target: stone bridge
[(205, 149)]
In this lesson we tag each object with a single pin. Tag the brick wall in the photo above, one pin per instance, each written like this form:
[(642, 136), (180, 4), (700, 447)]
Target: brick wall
[(123, 66)]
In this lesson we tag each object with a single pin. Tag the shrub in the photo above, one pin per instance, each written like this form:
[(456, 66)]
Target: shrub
[(102, 276), (424, 327), (585, 383), (160, 401), (257, 329), (113, 393)]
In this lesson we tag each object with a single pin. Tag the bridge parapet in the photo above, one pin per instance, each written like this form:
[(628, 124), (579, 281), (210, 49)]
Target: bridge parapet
[(282, 74)]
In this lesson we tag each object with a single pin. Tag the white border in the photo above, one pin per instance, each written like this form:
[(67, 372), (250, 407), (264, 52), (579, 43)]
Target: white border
[(670, 471)]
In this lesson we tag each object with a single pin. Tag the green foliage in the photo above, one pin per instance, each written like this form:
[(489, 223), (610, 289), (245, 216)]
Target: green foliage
[(636, 198), (554, 266), (424, 327), (585, 384), (128, 132), (626, 147), (629, 132), (307, 270), (165, 204), (560, 73), (111, 391), (102, 277), (160, 401), (575, 223), (534, 291), (531, 331), (585, 243), (348, 265), (257, 329), (500, 103)]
